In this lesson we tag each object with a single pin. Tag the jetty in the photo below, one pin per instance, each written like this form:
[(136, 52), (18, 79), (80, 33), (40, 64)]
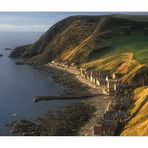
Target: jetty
[(48, 98)]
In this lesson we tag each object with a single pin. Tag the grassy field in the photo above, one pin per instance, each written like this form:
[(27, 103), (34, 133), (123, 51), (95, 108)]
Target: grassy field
[(136, 43)]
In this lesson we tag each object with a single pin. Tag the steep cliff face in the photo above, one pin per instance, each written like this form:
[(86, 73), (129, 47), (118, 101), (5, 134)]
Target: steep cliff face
[(79, 39)]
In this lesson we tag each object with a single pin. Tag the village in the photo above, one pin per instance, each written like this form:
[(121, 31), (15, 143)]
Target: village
[(116, 115)]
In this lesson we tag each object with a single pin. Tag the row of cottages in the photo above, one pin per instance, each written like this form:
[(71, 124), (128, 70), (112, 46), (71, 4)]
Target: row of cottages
[(57, 63), (65, 64), (113, 82), (103, 77), (54, 62), (93, 76), (73, 66)]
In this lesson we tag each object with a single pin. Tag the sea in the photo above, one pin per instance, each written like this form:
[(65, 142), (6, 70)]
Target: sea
[(20, 83)]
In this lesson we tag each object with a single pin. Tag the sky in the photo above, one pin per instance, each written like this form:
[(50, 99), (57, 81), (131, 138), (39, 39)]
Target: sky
[(35, 22)]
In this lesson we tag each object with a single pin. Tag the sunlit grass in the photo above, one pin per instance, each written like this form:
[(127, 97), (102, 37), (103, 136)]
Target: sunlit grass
[(136, 43), (137, 126)]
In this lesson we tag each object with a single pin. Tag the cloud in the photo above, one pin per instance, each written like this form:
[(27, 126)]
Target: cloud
[(26, 28)]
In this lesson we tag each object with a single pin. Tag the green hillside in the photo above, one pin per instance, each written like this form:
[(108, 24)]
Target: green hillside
[(136, 43)]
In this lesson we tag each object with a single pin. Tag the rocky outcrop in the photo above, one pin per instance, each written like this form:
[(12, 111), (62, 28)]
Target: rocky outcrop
[(18, 52)]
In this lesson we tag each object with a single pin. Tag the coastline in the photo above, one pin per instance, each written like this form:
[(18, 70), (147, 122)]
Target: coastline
[(74, 119), (92, 87), (100, 103)]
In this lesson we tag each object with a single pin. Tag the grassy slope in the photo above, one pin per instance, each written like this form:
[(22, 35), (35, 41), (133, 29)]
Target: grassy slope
[(136, 43), (138, 125), (84, 48), (111, 63)]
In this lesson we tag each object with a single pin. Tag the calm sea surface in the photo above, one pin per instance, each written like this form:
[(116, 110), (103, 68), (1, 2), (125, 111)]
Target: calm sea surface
[(18, 86)]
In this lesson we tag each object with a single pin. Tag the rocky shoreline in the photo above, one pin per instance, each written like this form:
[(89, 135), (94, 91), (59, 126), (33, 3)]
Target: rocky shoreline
[(64, 123), (73, 119), (100, 103), (79, 86)]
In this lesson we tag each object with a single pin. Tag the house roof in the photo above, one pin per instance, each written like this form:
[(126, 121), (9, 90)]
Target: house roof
[(110, 124)]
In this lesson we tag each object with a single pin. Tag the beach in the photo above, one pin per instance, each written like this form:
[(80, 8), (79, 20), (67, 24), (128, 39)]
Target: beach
[(77, 118), (100, 103)]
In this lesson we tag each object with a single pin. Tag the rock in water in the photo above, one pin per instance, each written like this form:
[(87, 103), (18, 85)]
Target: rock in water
[(19, 63), (8, 48)]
